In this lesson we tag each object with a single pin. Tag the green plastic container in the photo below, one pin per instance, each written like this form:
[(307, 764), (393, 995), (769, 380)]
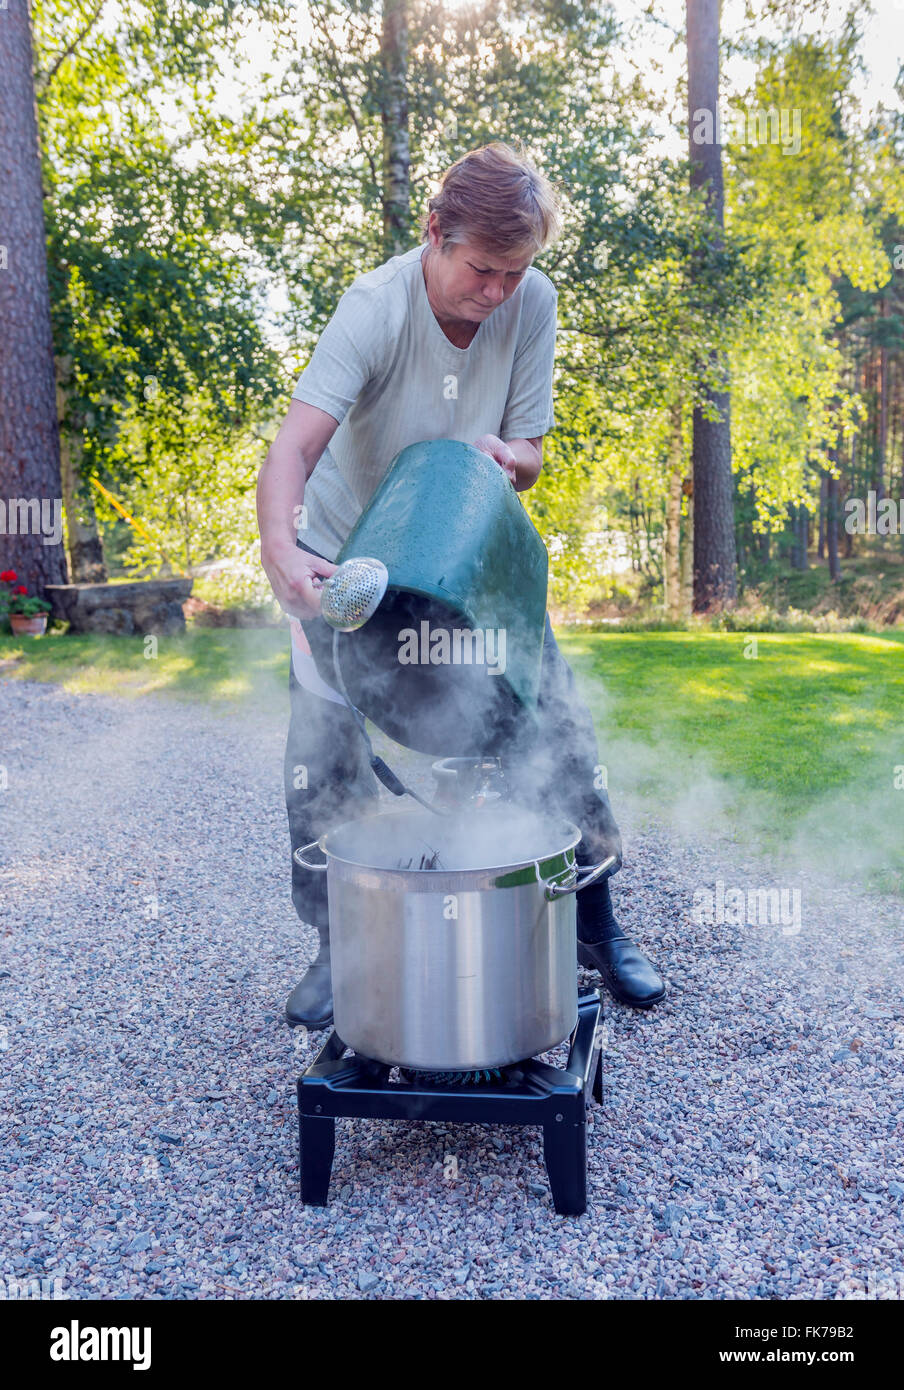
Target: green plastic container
[(467, 578)]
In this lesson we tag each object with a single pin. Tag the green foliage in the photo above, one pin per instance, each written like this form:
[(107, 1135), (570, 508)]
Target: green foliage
[(148, 296), (171, 214), (804, 217), (192, 486)]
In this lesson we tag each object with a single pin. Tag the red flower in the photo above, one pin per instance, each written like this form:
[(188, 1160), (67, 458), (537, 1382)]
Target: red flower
[(9, 576), (20, 590)]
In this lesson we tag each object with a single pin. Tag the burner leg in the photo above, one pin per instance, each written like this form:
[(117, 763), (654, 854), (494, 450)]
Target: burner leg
[(317, 1143), (565, 1152), (596, 1071)]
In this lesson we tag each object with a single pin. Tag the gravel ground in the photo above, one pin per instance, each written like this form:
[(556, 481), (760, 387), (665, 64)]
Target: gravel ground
[(749, 1146)]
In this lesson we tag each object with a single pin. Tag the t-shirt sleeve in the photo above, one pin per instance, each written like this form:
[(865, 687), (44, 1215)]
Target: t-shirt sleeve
[(349, 353), (528, 407)]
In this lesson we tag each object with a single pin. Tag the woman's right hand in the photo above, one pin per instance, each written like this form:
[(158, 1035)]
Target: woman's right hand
[(296, 578)]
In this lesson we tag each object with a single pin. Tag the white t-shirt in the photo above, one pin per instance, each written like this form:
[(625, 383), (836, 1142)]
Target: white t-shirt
[(386, 371)]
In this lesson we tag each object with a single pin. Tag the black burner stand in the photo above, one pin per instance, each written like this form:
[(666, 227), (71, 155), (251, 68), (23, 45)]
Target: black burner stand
[(531, 1093)]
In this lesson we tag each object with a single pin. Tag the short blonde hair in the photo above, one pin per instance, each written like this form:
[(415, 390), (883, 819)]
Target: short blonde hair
[(497, 198)]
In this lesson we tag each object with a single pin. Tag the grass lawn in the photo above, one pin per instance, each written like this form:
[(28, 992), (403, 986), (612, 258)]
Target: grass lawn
[(221, 666), (793, 748), (795, 740)]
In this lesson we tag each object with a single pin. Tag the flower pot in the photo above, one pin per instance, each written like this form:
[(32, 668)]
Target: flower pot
[(33, 627)]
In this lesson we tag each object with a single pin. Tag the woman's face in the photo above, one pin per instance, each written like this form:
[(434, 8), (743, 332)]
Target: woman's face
[(469, 283)]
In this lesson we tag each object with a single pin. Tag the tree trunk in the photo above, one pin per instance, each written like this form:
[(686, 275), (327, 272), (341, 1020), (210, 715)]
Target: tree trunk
[(895, 429), (672, 584), (849, 535), (901, 492), (832, 529), (29, 437), (800, 522), (715, 573), (897, 437), (882, 435), (86, 552), (832, 511), (394, 115), (687, 553), (765, 546), (823, 494), (805, 535)]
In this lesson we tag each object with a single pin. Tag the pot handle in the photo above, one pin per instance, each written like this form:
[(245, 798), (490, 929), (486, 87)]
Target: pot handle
[(591, 872), (299, 858)]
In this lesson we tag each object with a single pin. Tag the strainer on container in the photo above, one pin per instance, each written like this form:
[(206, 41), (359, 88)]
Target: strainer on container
[(353, 592), (350, 596)]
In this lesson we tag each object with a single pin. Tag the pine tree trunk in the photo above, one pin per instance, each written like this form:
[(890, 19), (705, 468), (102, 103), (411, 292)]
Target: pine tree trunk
[(394, 114), (823, 495), (715, 577), (894, 429), (799, 529), (849, 535), (882, 434), (86, 553), (832, 529), (29, 437), (672, 558), (794, 556), (901, 437), (832, 510), (715, 571), (687, 554)]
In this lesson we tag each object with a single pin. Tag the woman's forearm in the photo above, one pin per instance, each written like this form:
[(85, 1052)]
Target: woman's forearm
[(529, 461), (280, 494)]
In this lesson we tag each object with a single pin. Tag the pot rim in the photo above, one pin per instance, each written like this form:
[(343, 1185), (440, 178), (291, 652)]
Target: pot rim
[(547, 868)]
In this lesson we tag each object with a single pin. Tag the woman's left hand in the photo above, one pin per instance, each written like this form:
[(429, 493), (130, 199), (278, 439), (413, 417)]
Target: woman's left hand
[(492, 445)]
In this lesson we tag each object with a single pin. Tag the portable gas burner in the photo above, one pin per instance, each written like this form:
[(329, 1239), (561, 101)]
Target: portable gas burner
[(524, 1093)]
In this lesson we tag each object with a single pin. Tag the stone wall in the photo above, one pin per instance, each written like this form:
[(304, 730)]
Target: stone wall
[(148, 605)]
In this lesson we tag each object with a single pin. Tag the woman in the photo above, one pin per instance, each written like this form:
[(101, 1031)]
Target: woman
[(454, 339)]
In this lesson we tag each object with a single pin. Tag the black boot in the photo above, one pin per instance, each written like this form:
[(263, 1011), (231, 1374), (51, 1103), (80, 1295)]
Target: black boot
[(311, 1001), (602, 946)]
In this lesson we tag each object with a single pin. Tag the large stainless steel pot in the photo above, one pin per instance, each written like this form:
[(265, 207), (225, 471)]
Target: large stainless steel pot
[(466, 966)]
